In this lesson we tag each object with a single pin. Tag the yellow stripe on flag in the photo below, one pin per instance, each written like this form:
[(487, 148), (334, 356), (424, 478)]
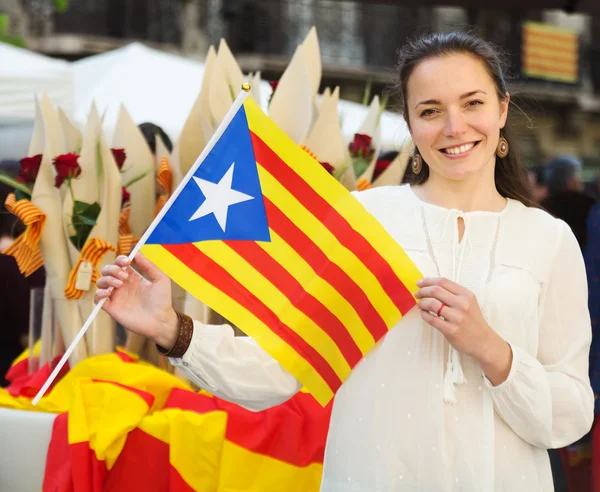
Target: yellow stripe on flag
[(286, 256), (274, 299), (254, 327), (183, 431), (244, 470)]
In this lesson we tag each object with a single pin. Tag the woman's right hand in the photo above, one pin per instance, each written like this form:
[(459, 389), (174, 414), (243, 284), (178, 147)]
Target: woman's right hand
[(141, 304)]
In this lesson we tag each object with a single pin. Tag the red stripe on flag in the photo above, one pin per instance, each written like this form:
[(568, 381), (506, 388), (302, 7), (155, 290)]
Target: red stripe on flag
[(328, 271), (337, 224), (294, 432), (285, 282), (221, 279)]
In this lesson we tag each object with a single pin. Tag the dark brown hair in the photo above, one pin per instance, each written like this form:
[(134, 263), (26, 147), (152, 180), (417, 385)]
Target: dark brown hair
[(511, 180)]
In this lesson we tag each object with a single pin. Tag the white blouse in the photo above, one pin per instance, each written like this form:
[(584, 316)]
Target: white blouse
[(392, 426)]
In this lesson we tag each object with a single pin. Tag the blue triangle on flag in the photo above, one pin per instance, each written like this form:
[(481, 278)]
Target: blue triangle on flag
[(223, 200)]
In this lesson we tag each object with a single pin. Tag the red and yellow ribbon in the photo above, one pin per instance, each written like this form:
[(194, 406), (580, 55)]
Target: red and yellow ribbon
[(25, 249), (126, 240), (363, 184), (164, 177), (92, 252)]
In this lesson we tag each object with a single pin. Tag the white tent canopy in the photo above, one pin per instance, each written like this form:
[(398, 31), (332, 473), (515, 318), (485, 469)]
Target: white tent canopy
[(153, 85), (23, 74), (161, 88)]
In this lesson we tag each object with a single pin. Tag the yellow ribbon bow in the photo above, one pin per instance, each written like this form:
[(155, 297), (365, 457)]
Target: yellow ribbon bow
[(92, 252), (25, 249)]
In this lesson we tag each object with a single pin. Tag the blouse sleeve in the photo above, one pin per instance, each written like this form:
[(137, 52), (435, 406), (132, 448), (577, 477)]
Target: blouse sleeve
[(235, 368), (547, 400)]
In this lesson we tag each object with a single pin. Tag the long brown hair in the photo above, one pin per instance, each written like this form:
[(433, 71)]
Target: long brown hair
[(511, 180)]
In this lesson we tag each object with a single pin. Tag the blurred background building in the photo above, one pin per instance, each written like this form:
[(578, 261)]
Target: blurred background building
[(554, 50)]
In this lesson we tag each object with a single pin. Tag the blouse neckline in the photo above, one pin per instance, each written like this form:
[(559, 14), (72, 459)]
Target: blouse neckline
[(439, 208)]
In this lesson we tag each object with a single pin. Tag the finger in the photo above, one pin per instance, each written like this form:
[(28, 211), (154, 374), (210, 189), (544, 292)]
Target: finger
[(122, 261), (440, 324), (114, 271), (439, 293), (449, 285), (102, 294), (433, 306), (148, 268), (106, 282)]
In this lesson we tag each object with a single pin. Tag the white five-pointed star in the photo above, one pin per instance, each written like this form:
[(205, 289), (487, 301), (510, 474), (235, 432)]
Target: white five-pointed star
[(218, 198)]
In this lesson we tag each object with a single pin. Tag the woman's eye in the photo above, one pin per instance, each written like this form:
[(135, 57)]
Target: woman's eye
[(428, 112), (475, 103)]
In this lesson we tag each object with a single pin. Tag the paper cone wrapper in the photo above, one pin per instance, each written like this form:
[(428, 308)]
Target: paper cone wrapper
[(72, 136), (370, 126), (225, 83), (327, 142), (395, 171), (254, 79), (312, 55), (53, 242), (291, 106), (197, 129), (139, 160)]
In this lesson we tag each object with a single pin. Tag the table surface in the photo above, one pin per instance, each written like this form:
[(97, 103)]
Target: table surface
[(24, 440)]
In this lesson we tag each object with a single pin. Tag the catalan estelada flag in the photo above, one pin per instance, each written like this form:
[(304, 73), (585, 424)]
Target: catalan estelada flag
[(262, 234)]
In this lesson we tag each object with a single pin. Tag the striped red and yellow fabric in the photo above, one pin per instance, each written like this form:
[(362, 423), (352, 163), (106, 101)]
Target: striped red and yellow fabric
[(92, 252), (117, 437), (265, 236), (550, 52), (25, 249)]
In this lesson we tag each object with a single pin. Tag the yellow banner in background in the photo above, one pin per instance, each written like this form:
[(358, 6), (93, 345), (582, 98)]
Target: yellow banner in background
[(550, 52)]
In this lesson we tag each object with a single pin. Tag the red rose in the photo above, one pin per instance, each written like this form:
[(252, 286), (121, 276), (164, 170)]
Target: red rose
[(380, 166), (125, 196), (328, 167), (67, 167), (274, 84), (30, 167), (361, 145), (120, 156)]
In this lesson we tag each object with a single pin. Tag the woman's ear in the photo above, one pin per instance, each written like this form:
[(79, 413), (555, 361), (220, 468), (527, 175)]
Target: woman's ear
[(504, 104)]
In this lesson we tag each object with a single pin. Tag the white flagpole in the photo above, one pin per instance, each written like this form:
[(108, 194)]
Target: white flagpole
[(245, 92)]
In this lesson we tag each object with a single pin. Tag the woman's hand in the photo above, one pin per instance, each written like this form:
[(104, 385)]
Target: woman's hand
[(141, 305), (459, 318)]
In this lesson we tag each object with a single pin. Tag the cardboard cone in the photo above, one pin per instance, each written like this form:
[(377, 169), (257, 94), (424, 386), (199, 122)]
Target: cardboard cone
[(72, 136), (53, 242), (139, 160), (291, 106)]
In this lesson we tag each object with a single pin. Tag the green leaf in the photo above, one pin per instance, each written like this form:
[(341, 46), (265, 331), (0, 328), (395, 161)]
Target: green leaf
[(339, 172), (367, 93), (61, 5), (4, 178), (138, 178), (19, 195), (360, 165)]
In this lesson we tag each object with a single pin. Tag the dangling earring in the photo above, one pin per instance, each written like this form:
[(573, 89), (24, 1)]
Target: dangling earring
[(502, 149), (417, 163)]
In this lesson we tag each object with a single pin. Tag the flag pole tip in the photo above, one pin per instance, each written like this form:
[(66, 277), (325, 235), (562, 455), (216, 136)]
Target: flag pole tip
[(246, 87)]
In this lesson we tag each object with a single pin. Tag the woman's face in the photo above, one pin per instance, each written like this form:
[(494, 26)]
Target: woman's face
[(455, 116)]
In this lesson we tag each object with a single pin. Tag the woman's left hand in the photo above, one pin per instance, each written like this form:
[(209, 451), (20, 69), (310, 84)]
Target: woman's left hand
[(459, 318)]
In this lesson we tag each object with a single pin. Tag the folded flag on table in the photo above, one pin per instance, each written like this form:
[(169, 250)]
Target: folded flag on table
[(117, 437), (262, 234)]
